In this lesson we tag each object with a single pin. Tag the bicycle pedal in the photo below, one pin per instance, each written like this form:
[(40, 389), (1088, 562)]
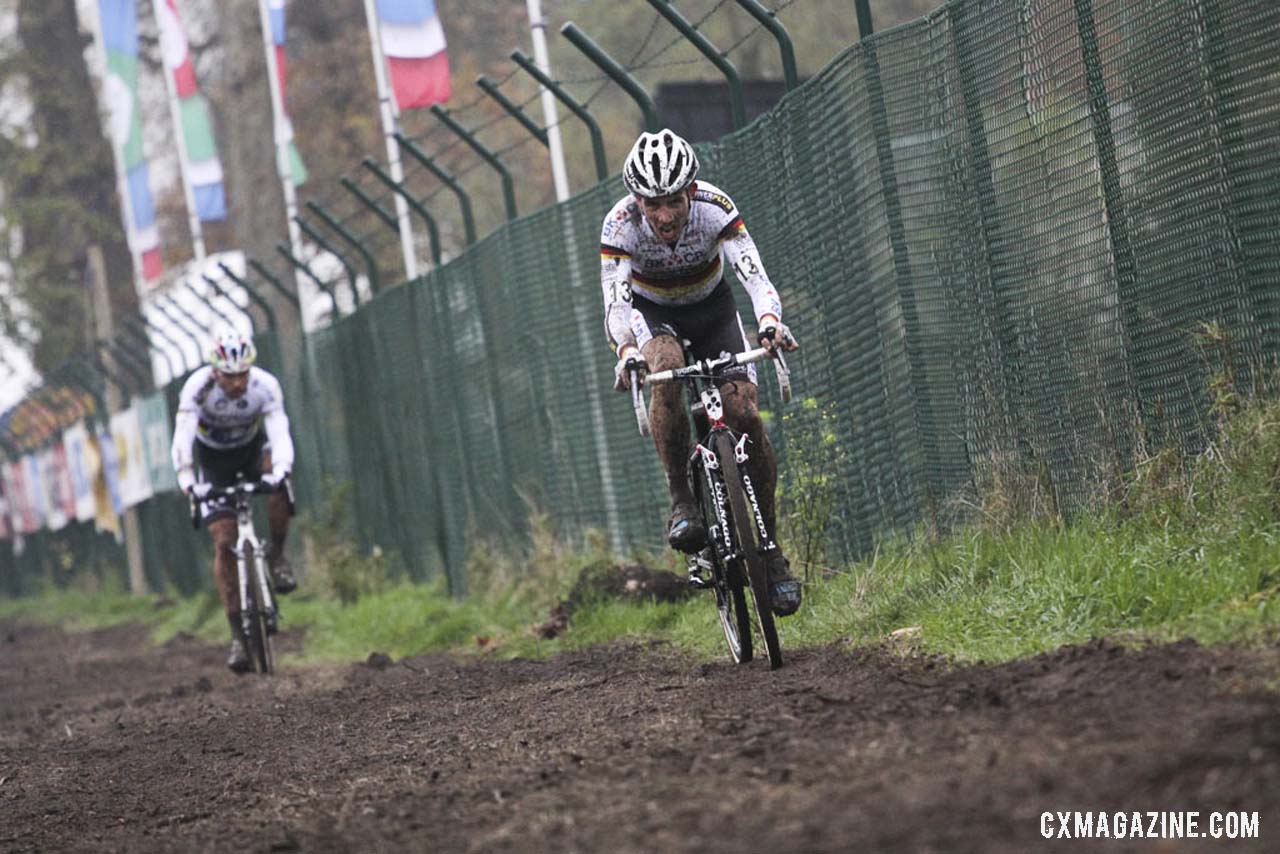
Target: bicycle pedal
[(699, 582)]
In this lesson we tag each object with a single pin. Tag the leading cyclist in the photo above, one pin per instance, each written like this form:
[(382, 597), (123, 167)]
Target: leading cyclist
[(231, 425), (663, 251)]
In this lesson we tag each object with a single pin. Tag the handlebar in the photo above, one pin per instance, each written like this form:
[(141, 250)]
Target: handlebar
[(709, 367), (244, 487)]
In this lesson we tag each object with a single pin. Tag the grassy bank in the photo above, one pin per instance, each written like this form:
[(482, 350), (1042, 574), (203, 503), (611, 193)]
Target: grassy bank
[(1185, 546)]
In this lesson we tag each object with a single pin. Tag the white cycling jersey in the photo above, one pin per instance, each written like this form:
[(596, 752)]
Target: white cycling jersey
[(634, 260), (208, 416)]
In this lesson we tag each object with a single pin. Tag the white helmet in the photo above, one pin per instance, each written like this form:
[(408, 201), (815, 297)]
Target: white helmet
[(659, 164), (232, 352)]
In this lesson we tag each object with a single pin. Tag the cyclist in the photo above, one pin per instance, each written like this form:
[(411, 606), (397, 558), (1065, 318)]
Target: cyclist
[(231, 425), (663, 251)]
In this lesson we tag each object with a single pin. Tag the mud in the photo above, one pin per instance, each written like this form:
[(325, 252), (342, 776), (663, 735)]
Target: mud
[(109, 744)]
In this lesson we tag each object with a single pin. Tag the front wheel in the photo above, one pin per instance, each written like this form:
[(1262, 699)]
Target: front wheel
[(744, 532), (257, 619), (728, 582)]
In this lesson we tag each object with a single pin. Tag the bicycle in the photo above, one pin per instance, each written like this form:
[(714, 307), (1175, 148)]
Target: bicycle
[(732, 562), (259, 615)]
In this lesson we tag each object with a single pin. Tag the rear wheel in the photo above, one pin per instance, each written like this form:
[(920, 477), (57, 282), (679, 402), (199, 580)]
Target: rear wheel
[(744, 533)]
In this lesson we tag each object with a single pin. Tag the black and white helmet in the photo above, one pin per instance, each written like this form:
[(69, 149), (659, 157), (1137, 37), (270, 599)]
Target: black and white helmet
[(660, 164)]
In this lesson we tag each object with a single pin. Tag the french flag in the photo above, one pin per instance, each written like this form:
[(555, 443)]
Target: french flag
[(413, 43)]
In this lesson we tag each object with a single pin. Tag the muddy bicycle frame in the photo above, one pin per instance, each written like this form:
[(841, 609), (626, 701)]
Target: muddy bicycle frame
[(734, 554), (256, 603)]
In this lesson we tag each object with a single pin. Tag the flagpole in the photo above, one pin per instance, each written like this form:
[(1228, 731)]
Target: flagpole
[(175, 112), (612, 508), (538, 30), (390, 115), (122, 178), (284, 162)]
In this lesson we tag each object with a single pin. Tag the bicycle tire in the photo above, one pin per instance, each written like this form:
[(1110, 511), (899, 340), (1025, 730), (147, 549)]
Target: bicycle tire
[(261, 654), (728, 587), (745, 532)]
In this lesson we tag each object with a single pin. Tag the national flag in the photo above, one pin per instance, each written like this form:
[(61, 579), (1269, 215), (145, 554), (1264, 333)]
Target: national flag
[(203, 168), (120, 40), (413, 42), (284, 128)]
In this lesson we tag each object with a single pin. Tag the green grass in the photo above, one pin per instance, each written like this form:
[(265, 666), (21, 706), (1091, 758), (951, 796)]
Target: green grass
[(1184, 547)]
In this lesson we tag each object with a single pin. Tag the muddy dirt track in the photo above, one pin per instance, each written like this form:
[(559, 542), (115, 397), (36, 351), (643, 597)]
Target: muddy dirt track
[(107, 744)]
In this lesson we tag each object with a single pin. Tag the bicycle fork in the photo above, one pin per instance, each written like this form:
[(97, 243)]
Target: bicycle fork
[(740, 454), (255, 575)]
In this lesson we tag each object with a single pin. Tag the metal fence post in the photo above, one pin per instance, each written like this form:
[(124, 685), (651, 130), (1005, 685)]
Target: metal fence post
[(610, 66), (433, 232), (186, 283), (352, 276), (769, 20), (737, 106), (220, 291), (160, 331), (265, 272), (375, 283), (593, 128), (512, 109), (252, 293), (283, 249), (508, 187), (468, 221), (128, 324), (370, 202)]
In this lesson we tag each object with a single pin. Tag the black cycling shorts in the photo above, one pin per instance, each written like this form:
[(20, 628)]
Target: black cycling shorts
[(225, 467), (713, 327)]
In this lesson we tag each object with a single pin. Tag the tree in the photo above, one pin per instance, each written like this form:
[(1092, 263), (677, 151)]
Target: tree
[(59, 185)]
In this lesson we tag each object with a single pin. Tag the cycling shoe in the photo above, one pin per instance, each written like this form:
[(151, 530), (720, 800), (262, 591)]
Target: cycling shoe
[(685, 531)]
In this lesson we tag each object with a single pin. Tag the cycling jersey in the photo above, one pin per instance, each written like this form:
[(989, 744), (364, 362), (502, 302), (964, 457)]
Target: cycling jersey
[(206, 415), (633, 259)]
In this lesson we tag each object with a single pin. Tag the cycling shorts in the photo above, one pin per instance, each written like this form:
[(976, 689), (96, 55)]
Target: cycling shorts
[(713, 327), (225, 467)]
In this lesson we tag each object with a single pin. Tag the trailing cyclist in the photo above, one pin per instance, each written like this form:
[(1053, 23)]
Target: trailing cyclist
[(231, 425), (663, 251)]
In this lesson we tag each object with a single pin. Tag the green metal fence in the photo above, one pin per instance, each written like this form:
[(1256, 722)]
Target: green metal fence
[(995, 230)]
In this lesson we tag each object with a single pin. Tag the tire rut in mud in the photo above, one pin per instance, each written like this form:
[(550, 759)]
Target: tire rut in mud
[(107, 743)]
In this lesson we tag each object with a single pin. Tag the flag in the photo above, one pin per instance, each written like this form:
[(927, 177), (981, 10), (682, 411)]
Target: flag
[(413, 43), (203, 168), (120, 41), (285, 145)]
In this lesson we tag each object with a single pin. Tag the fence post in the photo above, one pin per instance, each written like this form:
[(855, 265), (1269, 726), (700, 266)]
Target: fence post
[(220, 291), (468, 221), (433, 233), (508, 188), (737, 106), (131, 326), (252, 293), (186, 283), (163, 333), (184, 316), (265, 272), (284, 251), (375, 283), (769, 20), (352, 276), (518, 114), (369, 202), (593, 128), (610, 66)]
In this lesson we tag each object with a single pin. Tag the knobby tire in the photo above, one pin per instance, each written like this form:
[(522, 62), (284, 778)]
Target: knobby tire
[(729, 584), (258, 637), (744, 532)]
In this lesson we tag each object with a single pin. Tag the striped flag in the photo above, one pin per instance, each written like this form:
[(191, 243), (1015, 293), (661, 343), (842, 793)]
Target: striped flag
[(284, 127), (204, 169), (120, 39), (413, 43)]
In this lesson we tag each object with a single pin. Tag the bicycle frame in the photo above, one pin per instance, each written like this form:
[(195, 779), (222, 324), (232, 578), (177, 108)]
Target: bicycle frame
[(723, 490), (247, 542)]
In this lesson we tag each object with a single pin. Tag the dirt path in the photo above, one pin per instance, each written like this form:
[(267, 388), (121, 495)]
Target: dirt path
[(107, 744)]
